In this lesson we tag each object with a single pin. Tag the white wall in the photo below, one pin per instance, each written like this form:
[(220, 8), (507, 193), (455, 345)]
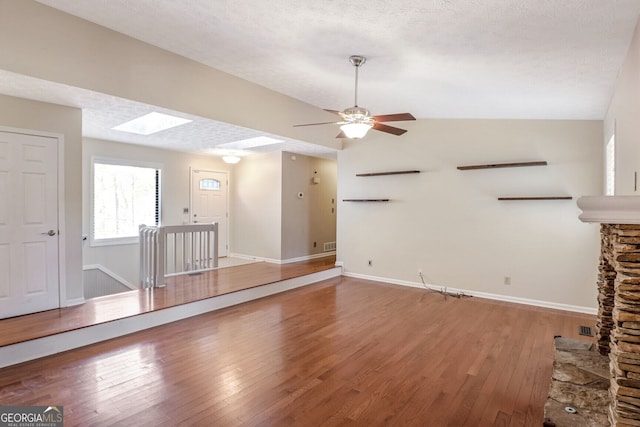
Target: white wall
[(449, 223), (269, 221), (256, 206), (40, 116), (123, 260), (309, 219), (622, 118)]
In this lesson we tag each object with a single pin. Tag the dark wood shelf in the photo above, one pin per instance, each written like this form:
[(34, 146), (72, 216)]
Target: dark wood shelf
[(387, 173), (502, 165), (537, 198), (365, 200)]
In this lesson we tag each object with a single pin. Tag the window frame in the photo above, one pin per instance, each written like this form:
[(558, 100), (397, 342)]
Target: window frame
[(129, 240), (610, 167)]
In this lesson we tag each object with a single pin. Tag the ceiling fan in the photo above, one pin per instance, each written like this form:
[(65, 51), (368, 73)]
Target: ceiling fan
[(356, 121)]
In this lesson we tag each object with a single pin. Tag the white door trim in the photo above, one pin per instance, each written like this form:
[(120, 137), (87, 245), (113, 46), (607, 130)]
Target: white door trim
[(191, 170), (62, 270)]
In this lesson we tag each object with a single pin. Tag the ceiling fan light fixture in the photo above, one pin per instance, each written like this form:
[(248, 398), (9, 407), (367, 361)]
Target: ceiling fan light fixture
[(356, 130)]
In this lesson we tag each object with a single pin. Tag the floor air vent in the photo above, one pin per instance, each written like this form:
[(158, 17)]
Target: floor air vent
[(586, 330)]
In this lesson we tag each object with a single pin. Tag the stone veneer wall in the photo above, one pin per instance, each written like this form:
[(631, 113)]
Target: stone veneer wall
[(620, 265), (606, 278)]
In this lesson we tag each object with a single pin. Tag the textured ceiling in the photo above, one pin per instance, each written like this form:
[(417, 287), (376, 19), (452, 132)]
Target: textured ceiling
[(102, 112), (536, 59)]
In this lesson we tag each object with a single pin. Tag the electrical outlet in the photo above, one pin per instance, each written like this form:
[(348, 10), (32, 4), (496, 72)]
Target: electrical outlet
[(419, 272), (507, 280), (370, 263)]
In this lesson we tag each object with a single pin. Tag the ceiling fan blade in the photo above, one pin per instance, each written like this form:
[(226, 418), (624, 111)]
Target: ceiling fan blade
[(389, 129), (400, 117), (341, 135), (314, 124), (337, 113)]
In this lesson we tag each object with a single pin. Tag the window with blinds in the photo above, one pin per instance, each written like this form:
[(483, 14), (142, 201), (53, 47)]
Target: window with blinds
[(124, 195)]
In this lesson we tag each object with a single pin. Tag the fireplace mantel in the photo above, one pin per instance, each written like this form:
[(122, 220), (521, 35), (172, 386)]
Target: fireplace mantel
[(618, 322), (610, 209)]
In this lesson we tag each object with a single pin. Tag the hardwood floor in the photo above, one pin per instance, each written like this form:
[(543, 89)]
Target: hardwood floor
[(178, 290), (340, 352)]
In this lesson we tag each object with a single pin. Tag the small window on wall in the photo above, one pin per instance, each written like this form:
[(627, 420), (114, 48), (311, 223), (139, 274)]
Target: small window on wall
[(610, 171), (125, 194), (210, 184)]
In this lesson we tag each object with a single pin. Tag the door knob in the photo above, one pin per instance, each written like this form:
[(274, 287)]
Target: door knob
[(50, 233)]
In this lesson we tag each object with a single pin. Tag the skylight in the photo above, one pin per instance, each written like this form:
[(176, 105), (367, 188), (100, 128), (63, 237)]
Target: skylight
[(151, 123), (244, 144)]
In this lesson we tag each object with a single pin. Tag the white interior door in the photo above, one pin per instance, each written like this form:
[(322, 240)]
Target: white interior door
[(209, 203), (28, 224)]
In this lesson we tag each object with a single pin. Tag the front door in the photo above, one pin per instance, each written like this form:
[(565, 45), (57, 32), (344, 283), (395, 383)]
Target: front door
[(28, 224), (209, 203)]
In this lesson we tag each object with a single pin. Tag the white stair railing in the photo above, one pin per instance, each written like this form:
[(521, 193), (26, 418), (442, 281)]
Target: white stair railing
[(176, 249)]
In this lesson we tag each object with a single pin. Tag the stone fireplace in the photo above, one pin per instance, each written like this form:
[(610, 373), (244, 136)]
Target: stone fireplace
[(618, 322)]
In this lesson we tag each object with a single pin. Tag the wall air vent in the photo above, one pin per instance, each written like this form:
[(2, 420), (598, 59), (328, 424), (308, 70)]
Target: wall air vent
[(329, 246), (586, 330)]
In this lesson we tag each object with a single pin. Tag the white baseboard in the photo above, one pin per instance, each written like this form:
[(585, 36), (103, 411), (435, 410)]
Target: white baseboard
[(34, 349), (285, 261), (74, 301), (308, 257), (255, 258), (109, 273), (486, 295)]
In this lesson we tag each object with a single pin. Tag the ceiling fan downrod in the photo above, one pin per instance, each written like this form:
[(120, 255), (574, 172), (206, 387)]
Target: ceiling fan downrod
[(357, 61)]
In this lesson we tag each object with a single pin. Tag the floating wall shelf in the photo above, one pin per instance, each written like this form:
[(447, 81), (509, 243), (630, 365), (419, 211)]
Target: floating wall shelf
[(365, 200), (502, 165), (537, 198), (387, 173)]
